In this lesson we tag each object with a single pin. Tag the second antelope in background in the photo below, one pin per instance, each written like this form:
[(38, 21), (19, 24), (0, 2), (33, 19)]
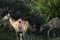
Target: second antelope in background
[(51, 25)]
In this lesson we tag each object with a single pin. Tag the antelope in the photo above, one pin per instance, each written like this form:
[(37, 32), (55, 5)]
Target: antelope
[(51, 25), (20, 25)]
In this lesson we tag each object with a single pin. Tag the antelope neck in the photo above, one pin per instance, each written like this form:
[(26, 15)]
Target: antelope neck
[(11, 21)]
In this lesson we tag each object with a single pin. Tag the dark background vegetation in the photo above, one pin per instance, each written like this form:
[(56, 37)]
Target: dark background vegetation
[(37, 12)]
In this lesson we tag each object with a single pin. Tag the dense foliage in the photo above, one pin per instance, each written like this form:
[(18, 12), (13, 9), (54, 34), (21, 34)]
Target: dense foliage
[(47, 9), (36, 11)]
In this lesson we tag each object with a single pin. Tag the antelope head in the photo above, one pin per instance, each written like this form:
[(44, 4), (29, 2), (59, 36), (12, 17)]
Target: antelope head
[(6, 17)]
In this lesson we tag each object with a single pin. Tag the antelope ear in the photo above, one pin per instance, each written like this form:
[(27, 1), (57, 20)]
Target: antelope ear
[(10, 11), (8, 14)]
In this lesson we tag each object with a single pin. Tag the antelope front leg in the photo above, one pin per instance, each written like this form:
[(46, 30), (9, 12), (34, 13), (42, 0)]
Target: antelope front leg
[(17, 35), (21, 36), (17, 38), (28, 37)]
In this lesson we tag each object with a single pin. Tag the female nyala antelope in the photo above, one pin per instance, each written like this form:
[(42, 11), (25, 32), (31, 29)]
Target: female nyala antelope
[(20, 25)]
